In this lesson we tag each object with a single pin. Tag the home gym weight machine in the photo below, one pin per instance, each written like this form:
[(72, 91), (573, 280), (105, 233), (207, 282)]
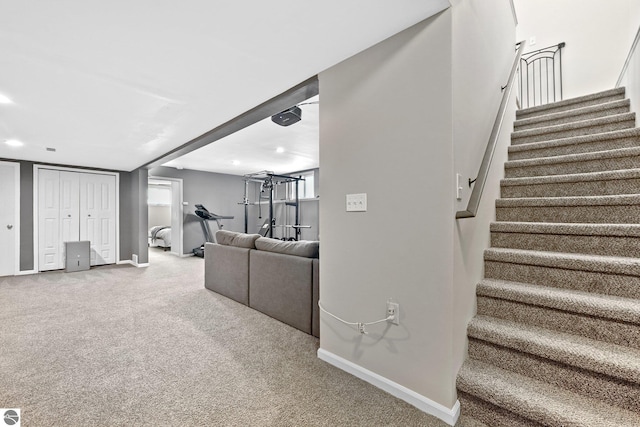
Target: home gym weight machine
[(268, 182)]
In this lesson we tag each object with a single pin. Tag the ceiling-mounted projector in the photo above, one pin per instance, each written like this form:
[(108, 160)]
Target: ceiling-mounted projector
[(288, 117)]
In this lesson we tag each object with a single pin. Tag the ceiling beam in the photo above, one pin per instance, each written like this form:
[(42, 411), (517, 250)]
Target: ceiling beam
[(277, 104)]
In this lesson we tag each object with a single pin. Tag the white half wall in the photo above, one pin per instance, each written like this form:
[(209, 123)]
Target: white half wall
[(598, 36)]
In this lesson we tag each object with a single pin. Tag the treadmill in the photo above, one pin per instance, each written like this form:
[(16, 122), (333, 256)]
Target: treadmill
[(206, 216)]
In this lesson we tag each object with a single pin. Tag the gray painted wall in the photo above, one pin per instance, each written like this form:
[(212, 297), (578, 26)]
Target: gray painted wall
[(140, 214), (126, 216), (396, 122), (26, 216), (386, 130)]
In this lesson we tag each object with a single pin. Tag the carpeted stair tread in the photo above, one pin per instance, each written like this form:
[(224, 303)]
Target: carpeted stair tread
[(621, 240), (492, 415), (566, 261), (573, 350), (609, 390), (572, 103), (624, 138), (574, 177), (578, 114), (608, 200), (567, 130), (604, 306), (616, 182), (572, 158), (621, 230), (539, 401)]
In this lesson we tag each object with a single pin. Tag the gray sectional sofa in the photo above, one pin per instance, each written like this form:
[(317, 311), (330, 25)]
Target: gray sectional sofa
[(277, 278)]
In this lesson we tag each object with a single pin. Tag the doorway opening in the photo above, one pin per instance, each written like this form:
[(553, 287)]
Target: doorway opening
[(165, 219)]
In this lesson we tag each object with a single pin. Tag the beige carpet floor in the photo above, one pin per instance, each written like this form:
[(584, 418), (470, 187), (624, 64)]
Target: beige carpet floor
[(122, 346)]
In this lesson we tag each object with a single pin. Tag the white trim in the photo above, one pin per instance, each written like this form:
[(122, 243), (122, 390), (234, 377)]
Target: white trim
[(128, 261), (449, 416), (26, 272), (628, 60), (16, 213), (36, 169)]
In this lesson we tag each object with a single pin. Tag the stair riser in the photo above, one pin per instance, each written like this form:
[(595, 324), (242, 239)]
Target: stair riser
[(519, 125), (568, 189), (588, 130), (620, 214), (572, 167), (610, 390), (490, 414), (578, 148), (595, 245), (586, 281), (556, 109), (615, 332)]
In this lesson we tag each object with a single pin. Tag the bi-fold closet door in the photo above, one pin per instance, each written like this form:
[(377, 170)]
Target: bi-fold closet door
[(75, 206)]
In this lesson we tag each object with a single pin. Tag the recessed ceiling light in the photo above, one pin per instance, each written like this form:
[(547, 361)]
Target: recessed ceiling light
[(280, 150), (235, 162), (4, 99), (14, 143)]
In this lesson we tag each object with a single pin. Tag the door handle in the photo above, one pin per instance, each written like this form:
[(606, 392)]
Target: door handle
[(9, 226)]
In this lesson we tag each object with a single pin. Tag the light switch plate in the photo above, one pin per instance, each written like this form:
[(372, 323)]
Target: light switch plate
[(357, 202)]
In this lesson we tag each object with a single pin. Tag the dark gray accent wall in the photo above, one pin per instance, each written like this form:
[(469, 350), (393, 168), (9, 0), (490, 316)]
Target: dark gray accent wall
[(126, 216), (26, 212), (26, 216), (139, 214), (219, 193)]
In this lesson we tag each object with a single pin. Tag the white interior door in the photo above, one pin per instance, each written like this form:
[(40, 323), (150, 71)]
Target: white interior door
[(69, 211), (8, 219), (49, 243), (98, 216)]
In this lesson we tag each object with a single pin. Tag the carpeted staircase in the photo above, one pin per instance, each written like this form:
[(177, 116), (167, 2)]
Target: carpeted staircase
[(556, 340)]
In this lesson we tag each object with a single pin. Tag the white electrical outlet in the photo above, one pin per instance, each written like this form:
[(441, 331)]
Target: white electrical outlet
[(393, 308)]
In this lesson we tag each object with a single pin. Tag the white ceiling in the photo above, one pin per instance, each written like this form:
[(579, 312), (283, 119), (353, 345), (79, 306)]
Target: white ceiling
[(118, 84), (262, 146)]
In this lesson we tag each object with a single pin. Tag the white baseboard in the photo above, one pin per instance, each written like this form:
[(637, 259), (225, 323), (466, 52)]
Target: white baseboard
[(135, 264), (449, 416), (26, 272)]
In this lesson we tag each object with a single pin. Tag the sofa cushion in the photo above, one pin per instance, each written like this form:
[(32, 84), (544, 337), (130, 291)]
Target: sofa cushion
[(302, 248), (239, 240)]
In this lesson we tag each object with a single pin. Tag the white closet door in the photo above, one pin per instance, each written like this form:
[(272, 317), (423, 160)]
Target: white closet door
[(98, 216), (49, 247), (69, 210), (8, 229)]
